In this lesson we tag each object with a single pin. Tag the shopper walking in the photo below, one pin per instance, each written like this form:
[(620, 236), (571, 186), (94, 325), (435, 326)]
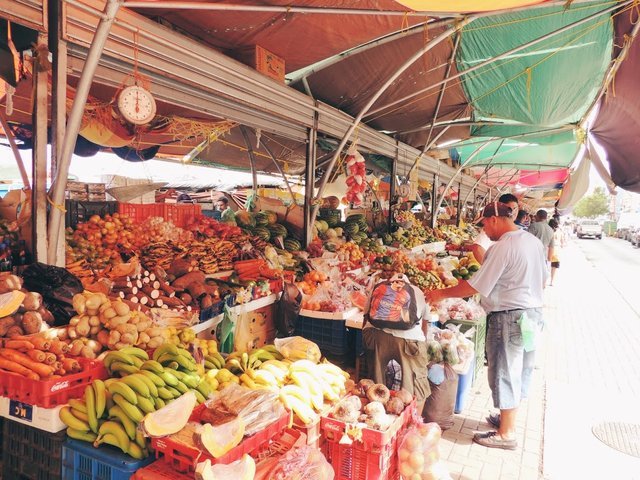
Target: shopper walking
[(541, 229), (559, 242), (510, 283), (482, 242)]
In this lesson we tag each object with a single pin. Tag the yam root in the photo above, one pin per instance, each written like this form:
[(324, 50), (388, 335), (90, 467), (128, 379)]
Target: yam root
[(206, 302), (8, 283), (197, 290), (180, 267), (182, 282), (47, 316), (186, 298)]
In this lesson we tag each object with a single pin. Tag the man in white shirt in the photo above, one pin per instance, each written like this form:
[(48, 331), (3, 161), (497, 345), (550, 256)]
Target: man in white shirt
[(511, 283), (482, 242)]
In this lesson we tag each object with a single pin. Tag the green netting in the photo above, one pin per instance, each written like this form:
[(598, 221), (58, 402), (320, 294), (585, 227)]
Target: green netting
[(549, 84), (518, 154)]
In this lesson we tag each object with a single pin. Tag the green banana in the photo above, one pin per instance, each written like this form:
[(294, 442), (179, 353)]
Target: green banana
[(152, 366), (181, 387), (133, 412), (176, 393), (101, 398), (77, 404), (159, 402), (136, 352), (71, 421), (110, 439), (81, 435), (165, 348), (90, 399), (186, 362), (135, 451), (129, 425), (208, 365), (118, 356), (137, 361), (146, 405), (199, 396), (117, 430), (169, 379), (123, 368), (155, 379), (191, 380), (165, 394), (137, 384), (124, 390), (204, 388), (153, 390)]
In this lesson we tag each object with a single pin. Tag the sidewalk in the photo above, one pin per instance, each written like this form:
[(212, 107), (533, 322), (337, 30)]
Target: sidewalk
[(589, 372)]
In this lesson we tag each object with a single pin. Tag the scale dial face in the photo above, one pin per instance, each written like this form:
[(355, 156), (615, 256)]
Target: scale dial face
[(404, 190), (137, 105)]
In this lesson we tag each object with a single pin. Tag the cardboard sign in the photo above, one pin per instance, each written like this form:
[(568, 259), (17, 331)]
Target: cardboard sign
[(269, 64)]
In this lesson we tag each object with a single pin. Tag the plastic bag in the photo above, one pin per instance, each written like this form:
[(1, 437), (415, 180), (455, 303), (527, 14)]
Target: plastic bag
[(298, 348), (257, 408), (434, 350), (303, 463), (288, 309), (57, 287), (418, 455), (440, 405), (225, 331)]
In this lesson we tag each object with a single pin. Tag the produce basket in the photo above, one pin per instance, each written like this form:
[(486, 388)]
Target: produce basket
[(50, 393), (184, 458), (32, 454), (81, 461), (372, 457), (77, 211)]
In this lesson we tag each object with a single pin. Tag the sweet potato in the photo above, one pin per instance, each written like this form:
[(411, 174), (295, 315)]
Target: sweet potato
[(5, 324), (31, 322), (182, 282), (180, 267), (14, 331)]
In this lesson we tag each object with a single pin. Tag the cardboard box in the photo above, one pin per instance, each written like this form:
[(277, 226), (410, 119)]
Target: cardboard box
[(77, 195), (11, 203), (96, 188), (73, 186), (97, 197)]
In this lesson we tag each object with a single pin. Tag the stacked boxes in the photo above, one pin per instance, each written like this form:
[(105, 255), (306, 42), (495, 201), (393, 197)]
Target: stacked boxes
[(94, 192)]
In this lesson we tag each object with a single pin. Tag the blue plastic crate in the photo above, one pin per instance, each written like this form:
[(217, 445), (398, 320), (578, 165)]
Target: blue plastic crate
[(81, 461), (217, 308), (357, 341), (330, 335)]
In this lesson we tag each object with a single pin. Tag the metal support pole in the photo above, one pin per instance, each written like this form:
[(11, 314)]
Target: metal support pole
[(459, 208), (504, 55), (444, 35), (73, 124), (16, 152), (252, 160), (309, 181), (39, 165), (392, 185), (434, 194)]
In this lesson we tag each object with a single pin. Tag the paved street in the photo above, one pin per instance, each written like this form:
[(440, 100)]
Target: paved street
[(589, 372)]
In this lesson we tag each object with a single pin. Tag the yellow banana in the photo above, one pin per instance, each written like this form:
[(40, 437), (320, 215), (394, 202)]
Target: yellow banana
[(300, 408), (155, 379), (245, 360), (204, 388), (152, 366), (141, 441), (132, 411), (159, 402), (199, 397), (181, 387), (146, 405), (248, 382), (124, 390), (78, 405), (117, 430), (165, 348), (70, 420), (129, 426), (81, 415), (153, 390), (165, 394), (82, 435), (90, 399), (110, 439), (108, 400), (296, 391), (176, 393), (266, 378), (118, 356), (136, 352), (169, 379), (101, 398), (135, 451), (123, 369)]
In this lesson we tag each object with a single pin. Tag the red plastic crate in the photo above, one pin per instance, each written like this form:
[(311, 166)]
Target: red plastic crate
[(184, 458), (371, 458), (139, 212), (312, 431), (51, 393), (159, 470), (181, 214)]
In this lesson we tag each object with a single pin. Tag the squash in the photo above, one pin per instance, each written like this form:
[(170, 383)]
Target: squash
[(219, 439), (171, 418)]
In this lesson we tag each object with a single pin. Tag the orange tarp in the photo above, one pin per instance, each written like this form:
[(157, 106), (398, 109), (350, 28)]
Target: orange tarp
[(463, 6)]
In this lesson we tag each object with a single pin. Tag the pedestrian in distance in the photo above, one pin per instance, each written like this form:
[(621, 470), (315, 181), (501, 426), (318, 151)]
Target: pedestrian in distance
[(541, 229), (559, 241), (510, 284)]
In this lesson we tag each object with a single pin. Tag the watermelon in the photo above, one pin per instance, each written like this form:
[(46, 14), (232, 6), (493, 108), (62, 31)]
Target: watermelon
[(272, 217), (263, 233), (330, 246), (359, 237), (321, 225), (351, 229), (245, 219), (292, 245), (261, 219), (331, 233), (278, 230)]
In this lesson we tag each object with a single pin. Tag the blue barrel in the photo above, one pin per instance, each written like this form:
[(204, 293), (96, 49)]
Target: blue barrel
[(464, 387)]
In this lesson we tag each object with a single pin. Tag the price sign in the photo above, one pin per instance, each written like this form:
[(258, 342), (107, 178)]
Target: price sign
[(21, 410)]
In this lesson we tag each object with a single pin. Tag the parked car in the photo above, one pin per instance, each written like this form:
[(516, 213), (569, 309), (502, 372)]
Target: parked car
[(634, 237), (589, 228)]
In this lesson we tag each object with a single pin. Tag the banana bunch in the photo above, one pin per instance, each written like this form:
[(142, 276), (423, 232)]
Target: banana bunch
[(239, 362), (208, 347), (308, 385)]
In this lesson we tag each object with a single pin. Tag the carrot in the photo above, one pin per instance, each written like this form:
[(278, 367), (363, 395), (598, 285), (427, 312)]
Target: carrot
[(17, 368), (58, 347), (58, 369), (37, 355), (50, 358), (71, 365), (18, 345), (41, 343), (40, 368)]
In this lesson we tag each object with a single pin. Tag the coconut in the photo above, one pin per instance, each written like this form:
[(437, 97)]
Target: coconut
[(378, 393)]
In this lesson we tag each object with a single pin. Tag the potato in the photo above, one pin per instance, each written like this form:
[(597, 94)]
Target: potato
[(87, 352), (93, 302), (94, 330), (32, 301), (94, 321), (121, 308), (83, 326), (79, 303), (76, 347), (31, 322), (5, 324)]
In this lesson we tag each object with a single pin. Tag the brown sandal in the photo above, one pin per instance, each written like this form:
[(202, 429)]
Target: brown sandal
[(492, 439)]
